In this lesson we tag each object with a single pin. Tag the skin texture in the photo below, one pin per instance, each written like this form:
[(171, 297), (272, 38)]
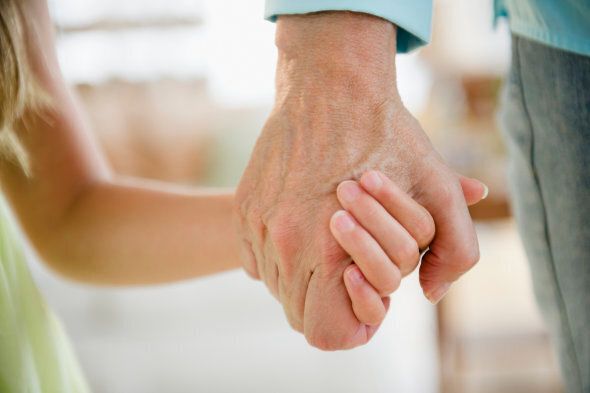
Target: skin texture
[(89, 224), (338, 114), (381, 236), (93, 226), (376, 232)]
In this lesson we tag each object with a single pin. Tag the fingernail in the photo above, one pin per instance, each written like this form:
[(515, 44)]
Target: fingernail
[(354, 275), (343, 221), (486, 191), (435, 295), (349, 191), (372, 181)]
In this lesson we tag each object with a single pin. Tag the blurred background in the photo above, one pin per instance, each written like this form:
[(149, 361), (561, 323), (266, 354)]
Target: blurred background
[(178, 91)]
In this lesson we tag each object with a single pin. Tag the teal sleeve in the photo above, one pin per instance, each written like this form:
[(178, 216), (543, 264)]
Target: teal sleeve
[(412, 17)]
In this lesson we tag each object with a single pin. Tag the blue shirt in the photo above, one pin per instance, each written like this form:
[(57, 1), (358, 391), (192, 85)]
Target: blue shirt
[(564, 24)]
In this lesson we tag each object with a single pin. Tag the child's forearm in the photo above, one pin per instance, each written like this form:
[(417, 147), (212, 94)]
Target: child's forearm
[(95, 227), (136, 232), (86, 223)]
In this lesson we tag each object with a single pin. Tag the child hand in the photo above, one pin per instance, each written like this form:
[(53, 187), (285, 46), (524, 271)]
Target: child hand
[(383, 230)]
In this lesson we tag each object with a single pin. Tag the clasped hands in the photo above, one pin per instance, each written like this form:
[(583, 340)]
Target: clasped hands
[(343, 190)]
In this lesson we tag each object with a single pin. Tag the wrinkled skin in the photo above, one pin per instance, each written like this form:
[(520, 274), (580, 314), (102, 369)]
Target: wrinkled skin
[(331, 123)]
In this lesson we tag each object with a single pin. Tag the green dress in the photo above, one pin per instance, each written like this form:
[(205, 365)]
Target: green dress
[(35, 354)]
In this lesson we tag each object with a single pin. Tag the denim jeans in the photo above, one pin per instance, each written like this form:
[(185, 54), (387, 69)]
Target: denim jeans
[(545, 118)]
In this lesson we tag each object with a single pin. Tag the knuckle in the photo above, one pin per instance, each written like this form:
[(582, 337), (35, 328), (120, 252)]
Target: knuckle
[(295, 323), (245, 204), (285, 245), (375, 318), (448, 192), (254, 223), (249, 261), (252, 271), (287, 273), (408, 252), (272, 281), (425, 229), (409, 267), (467, 259), (322, 341), (389, 286), (281, 237)]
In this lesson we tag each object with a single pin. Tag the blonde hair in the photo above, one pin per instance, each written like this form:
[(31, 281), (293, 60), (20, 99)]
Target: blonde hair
[(17, 91)]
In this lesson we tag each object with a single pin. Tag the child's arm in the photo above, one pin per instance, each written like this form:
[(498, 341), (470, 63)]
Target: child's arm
[(87, 223), (126, 232)]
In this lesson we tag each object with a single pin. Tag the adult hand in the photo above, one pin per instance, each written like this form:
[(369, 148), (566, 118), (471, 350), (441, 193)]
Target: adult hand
[(337, 114)]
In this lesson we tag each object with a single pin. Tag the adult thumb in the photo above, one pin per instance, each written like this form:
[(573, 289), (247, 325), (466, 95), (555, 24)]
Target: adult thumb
[(473, 190)]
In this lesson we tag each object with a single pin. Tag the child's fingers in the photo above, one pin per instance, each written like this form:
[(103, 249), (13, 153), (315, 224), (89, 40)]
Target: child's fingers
[(367, 305), (409, 213), (397, 243), (376, 266)]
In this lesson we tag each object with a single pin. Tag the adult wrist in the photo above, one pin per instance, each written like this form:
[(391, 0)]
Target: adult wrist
[(347, 52)]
